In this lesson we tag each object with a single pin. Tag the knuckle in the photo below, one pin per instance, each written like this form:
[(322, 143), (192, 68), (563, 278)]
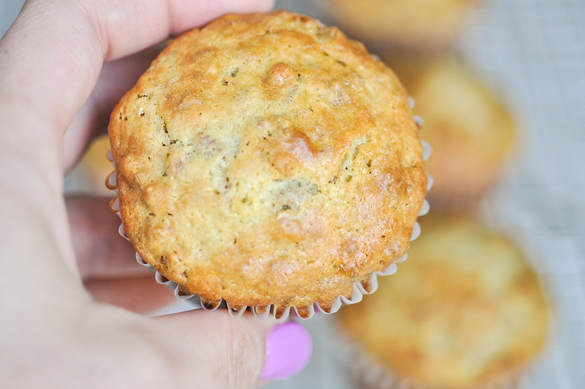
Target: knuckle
[(244, 357)]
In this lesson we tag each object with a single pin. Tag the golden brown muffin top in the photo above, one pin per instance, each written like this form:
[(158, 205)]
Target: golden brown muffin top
[(465, 309), (267, 159), (404, 23), (470, 129)]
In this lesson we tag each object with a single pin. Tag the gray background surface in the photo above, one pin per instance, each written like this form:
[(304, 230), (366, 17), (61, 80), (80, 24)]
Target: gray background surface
[(533, 53)]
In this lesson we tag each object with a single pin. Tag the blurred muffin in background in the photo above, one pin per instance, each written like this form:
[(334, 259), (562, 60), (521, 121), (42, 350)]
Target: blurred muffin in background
[(401, 24), (465, 311), (89, 175), (470, 129)]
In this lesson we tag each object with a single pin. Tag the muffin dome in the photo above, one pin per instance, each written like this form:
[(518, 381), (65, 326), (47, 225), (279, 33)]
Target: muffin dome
[(404, 24), (470, 129), (266, 159), (466, 309)]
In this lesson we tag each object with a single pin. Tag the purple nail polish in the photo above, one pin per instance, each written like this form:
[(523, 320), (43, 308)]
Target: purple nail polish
[(288, 349)]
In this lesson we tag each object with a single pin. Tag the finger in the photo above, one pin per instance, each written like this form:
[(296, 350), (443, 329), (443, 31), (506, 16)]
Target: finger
[(140, 295), (52, 55), (100, 251), (114, 80), (240, 352)]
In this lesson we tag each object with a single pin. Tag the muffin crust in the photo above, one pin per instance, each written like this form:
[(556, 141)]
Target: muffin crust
[(465, 310), (471, 130), (402, 24), (267, 159)]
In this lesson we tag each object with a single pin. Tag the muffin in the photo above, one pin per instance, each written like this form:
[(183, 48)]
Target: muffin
[(267, 161), (465, 311), (419, 25), (471, 130)]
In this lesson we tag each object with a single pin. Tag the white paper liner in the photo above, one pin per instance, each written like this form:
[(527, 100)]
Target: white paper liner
[(263, 312), (367, 373)]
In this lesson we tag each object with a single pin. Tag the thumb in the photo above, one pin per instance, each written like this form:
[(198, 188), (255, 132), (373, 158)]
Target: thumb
[(235, 352)]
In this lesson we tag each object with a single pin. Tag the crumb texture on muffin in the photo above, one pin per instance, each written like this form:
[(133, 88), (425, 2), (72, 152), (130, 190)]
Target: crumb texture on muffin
[(465, 309), (267, 159)]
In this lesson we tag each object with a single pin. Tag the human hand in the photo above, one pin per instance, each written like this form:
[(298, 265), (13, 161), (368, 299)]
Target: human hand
[(55, 93)]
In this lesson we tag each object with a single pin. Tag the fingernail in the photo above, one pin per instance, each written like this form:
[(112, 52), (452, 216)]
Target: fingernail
[(288, 349)]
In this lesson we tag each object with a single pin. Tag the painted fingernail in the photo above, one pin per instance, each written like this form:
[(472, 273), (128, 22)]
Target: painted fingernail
[(288, 349)]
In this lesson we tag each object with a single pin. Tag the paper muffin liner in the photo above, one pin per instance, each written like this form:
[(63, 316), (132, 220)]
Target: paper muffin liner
[(360, 288), (365, 372)]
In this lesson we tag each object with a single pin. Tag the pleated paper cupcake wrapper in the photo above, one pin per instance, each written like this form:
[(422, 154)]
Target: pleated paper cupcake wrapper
[(263, 312), (365, 372)]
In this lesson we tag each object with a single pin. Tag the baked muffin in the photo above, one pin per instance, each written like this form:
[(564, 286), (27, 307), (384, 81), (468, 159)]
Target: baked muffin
[(267, 160), (466, 310), (404, 24), (471, 131)]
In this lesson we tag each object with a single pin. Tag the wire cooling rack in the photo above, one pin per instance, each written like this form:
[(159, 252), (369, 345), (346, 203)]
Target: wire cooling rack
[(533, 53)]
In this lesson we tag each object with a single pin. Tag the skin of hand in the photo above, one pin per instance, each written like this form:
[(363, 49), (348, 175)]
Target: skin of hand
[(63, 66)]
